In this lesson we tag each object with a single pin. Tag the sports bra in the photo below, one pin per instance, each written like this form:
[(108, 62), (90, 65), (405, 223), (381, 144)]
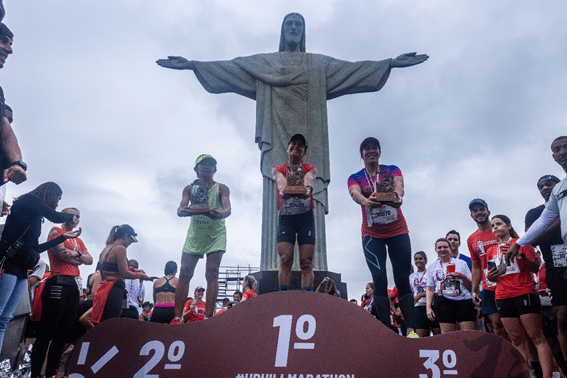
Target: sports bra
[(109, 267), (166, 287)]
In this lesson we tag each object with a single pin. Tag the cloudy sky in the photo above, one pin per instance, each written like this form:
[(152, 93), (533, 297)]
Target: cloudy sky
[(94, 113)]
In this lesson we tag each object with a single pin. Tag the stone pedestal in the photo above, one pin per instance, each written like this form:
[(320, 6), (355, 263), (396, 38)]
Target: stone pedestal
[(267, 281)]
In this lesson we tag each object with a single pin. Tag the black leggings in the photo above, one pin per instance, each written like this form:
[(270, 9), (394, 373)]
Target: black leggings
[(399, 250), (60, 303)]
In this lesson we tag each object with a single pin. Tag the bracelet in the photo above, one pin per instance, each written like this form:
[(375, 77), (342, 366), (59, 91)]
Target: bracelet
[(79, 255)]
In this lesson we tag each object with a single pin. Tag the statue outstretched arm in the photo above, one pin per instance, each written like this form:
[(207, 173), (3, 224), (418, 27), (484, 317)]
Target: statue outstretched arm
[(408, 60), (176, 63)]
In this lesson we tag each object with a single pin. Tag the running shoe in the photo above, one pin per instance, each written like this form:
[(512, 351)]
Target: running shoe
[(412, 335), (176, 321)]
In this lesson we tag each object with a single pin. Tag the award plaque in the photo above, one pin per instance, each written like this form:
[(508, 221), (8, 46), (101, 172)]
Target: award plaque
[(199, 198), (384, 189), (295, 185)]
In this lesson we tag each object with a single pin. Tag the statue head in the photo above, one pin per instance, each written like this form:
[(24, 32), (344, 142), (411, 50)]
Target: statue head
[(292, 17)]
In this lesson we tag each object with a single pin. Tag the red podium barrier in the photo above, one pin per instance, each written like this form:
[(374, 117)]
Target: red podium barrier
[(288, 335)]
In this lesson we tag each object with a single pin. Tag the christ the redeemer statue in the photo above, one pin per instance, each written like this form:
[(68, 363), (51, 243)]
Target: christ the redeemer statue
[(291, 89)]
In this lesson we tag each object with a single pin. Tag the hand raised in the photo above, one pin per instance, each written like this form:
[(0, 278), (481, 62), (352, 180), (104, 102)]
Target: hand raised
[(408, 59), (176, 63)]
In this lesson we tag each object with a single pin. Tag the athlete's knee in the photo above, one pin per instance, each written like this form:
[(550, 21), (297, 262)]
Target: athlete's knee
[(539, 339), (562, 320), (518, 340), (306, 264), (212, 274), (185, 273), (286, 260)]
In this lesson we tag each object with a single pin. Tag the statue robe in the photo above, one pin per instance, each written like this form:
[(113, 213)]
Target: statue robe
[(291, 92)]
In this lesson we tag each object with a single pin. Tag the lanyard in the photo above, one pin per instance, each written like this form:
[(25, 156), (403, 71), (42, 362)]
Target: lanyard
[(291, 170), (420, 281), (498, 254), (444, 271), (369, 178)]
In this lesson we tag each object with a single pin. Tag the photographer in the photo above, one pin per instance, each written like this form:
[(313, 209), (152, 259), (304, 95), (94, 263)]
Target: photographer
[(19, 248)]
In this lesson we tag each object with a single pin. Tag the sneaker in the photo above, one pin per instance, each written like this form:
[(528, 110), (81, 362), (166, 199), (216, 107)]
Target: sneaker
[(176, 321), (412, 335)]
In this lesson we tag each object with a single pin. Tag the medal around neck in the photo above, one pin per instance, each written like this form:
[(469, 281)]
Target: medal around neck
[(295, 185)]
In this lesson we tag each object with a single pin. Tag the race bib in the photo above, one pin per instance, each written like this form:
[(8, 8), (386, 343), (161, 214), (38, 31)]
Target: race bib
[(513, 268), (559, 255), (381, 215), (423, 300), (450, 287), (295, 205), (79, 282)]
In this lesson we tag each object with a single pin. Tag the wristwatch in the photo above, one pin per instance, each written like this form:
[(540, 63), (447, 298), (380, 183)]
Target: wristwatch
[(20, 163)]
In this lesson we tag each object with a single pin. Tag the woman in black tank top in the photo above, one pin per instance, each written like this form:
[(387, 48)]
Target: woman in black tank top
[(164, 295), (113, 264)]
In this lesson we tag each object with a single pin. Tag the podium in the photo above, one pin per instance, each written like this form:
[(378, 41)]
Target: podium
[(288, 334)]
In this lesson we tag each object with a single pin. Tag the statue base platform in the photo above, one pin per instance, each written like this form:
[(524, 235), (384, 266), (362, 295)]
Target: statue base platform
[(267, 281)]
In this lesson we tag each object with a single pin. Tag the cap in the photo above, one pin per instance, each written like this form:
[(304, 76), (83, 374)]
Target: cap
[(370, 141), (199, 288), (298, 137), (204, 157), (478, 201), (545, 178), (126, 229)]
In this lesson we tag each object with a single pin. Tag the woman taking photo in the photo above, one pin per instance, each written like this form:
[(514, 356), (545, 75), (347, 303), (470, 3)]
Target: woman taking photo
[(60, 296), (327, 286), (449, 281), (517, 299), (423, 326), (19, 248), (110, 294), (248, 286), (384, 230), (296, 215), (164, 295)]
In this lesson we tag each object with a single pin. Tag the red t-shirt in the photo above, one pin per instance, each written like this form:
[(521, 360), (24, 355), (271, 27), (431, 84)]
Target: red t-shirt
[(478, 244), (283, 170), (541, 278), (394, 293), (198, 311), (221, 311), (58, 266), (516, 283), (388, 230), (249, 294)]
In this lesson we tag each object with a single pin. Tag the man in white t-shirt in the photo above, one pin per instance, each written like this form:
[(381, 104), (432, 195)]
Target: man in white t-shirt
[(136, 292), (556, 207), (555, 213)]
